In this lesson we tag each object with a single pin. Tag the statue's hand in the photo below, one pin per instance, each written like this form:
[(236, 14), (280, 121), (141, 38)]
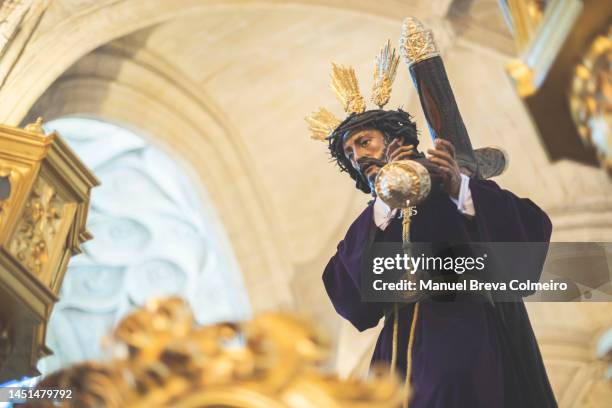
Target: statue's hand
[(443, 155), (395, 151)]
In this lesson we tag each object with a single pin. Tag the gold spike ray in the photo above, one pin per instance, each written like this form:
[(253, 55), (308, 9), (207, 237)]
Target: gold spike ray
[(322, 123), (346, 88), (344, 84), (385, 68)]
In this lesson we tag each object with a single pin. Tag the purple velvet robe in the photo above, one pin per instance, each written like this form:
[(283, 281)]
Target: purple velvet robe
[(473, 354)]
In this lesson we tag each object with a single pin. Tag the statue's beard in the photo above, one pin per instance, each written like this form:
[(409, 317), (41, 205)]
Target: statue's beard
[(365, 164)]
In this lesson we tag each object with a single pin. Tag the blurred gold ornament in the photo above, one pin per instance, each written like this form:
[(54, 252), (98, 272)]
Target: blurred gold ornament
[(161, 359), (562, 76), (524, 18), (522, 76), (590, 97)]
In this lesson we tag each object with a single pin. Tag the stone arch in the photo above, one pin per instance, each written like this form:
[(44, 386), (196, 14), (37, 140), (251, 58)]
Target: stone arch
[(75, 36), (146, 94)]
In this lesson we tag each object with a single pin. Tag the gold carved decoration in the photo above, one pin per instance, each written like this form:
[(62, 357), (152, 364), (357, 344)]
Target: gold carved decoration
[(416, 42), (590, 97), (44, 197), (162, 359), (42, 217)]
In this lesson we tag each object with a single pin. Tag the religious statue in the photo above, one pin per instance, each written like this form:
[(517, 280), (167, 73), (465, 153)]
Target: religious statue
[(450, 354)]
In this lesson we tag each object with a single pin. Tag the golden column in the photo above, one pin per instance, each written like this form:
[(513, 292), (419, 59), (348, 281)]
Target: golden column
[(44, 198)]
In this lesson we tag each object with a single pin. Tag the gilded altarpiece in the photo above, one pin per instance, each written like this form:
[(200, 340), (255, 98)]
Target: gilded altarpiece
[(44, 199)]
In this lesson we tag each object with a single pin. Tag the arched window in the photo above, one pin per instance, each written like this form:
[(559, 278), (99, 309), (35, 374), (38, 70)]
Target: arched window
[(153, 236)]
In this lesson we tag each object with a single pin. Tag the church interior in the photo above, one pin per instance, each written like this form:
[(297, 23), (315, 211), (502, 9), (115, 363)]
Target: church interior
[(194, 175)]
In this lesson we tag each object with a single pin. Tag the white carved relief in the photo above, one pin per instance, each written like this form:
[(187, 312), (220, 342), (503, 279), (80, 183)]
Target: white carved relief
[(151, 238)]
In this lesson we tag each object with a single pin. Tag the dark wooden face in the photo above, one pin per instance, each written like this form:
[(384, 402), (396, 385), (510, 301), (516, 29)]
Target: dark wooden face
[(365, 143)]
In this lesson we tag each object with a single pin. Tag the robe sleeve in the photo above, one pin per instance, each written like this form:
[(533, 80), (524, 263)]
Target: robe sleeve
[(342, 274), (501, 216)]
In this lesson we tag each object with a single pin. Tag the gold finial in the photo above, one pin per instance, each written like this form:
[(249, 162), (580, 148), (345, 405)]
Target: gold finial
[(36, 127), (384, 75), (322, 123), (417, 42), (346, 88)]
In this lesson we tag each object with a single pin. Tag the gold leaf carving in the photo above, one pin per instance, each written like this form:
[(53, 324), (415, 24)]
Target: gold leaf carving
[(38, 225), (416, 42)]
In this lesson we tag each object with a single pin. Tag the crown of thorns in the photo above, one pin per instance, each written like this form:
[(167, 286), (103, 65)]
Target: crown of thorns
[(393, 123)]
